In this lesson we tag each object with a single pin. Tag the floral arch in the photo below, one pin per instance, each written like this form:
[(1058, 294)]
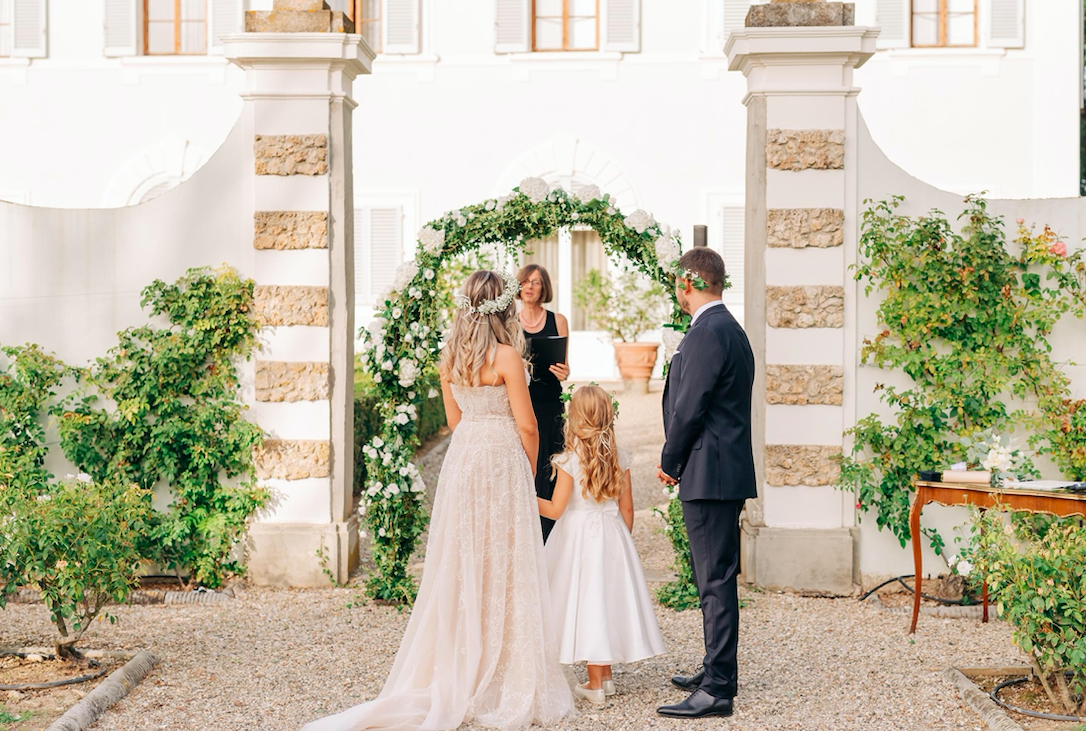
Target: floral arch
[(403, 341)]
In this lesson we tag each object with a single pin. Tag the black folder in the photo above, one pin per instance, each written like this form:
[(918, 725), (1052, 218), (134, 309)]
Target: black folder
[(546, 351)]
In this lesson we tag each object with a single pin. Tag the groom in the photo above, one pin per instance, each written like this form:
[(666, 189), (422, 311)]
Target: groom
[(708, 453)]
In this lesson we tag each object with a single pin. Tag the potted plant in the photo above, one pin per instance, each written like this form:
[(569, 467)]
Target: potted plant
[(626, 307)]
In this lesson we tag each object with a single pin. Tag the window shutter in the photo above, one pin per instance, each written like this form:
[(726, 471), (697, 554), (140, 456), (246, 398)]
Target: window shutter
[(620, 25), (892, 16), (226, 18), (28, 28), (378, 240), (5, 35), (1005, 24), (400, 26), (732, 224), (735, 17), (122, 27), (512, 26)]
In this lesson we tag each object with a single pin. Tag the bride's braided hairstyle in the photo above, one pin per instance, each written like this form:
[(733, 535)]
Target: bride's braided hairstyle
[(474, 336), (590, 434)]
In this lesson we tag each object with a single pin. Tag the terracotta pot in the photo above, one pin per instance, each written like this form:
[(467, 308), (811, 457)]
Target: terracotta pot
[(635, 363)]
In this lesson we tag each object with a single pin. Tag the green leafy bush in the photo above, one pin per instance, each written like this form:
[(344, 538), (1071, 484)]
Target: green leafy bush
[(627, 306), (682, 593)]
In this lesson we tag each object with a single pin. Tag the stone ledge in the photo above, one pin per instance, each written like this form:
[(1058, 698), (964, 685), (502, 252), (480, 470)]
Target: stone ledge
[(291, 154), (803, 13), (808, 465), (285, 554), (805, 306), (290, 305), (278, 381), (808, 560), (805, 149), (800, 228), (799, 385), (282, 230), (293, 459)]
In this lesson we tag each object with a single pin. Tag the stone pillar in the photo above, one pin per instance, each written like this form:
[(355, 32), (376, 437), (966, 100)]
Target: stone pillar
[(802, 224), (299, 64)]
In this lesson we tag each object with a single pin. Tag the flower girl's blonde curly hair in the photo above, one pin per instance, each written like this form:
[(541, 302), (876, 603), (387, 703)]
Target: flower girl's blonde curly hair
[(474, 337), (590, 434)]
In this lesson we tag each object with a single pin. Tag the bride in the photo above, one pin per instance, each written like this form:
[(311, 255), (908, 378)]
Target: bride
[(478, 646)]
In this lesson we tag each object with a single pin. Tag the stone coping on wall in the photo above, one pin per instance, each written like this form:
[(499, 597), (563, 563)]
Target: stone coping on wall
[(805, 306), (278, 381)]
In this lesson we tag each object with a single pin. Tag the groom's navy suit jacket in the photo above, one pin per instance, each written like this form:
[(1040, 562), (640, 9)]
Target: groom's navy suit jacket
[(707, 411)]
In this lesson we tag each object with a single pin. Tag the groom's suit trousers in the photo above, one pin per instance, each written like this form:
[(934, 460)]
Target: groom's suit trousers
[(713, 529)]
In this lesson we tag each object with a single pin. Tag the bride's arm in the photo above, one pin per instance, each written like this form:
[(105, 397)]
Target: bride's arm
[(452, 409), (510, 367), (554, 507)]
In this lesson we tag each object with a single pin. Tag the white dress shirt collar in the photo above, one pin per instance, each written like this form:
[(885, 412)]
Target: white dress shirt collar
[(705, 307)]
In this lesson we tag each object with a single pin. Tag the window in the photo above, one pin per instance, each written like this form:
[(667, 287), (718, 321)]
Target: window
[(367, 22), (5, 28), (565, 25), (174, 27), (944, 23)]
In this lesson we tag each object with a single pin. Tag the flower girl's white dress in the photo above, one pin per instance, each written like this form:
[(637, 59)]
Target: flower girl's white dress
[(480, 645), (599, 598)]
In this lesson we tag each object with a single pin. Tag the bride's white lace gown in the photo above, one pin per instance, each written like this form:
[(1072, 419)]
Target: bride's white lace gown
[(479, 645)]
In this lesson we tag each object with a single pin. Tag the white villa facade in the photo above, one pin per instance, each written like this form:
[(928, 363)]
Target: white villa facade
[(106, 103)]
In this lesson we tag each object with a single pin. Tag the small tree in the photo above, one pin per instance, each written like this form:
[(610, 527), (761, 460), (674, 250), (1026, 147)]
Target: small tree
[(626, 307)]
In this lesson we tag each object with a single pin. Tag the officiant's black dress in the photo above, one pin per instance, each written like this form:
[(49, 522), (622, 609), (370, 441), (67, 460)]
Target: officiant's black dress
[(546, 392)]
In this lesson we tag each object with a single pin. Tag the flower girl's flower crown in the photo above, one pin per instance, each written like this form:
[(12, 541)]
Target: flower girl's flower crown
[(494, 306)]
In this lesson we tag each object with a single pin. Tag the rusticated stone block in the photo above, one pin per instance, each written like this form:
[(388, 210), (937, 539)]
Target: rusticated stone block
[(292, 381), (291, 154), (299, 16), (795, 13), (805, 149), (293, 459), (804, 384), (799, 228), (811, 306), (801, 464), (290, 230), (290, 305)]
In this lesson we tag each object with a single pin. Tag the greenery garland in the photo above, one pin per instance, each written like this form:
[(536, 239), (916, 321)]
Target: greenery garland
[(403, 340)]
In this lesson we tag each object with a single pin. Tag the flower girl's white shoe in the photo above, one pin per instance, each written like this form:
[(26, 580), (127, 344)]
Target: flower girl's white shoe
[(609, 688), (592, 696)]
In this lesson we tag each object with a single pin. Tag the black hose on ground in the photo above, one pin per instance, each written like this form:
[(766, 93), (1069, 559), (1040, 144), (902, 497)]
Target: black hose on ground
[(900, 580), (1025, 711)]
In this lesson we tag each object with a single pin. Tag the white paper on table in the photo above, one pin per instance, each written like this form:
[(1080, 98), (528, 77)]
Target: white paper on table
[(1041, 484)]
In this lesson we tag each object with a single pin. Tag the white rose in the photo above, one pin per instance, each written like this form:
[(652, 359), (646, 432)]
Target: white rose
[(460, 221), (83, 477), (432, 394), (381, 532), (428, 275), (490, 204), (397, 312), (964, 567), (411, 395), (640, 221), (536, 189), (409, 371), (671, 339), (420, 353), (376, 328), (378, 442), (667, 250), (586, 193), (502, 200), (404, 274), (386, 366), (401, 419), (431, 239)]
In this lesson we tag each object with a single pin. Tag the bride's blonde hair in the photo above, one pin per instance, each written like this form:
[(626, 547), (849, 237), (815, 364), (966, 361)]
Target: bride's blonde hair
[(474, 337), (590, 434)]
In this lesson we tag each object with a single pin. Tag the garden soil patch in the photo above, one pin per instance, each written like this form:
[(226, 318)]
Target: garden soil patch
[(1030, 695), (36, 709)]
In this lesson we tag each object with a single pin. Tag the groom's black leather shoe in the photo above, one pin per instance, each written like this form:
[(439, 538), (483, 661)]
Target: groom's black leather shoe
[(699, 705), (688, 682)]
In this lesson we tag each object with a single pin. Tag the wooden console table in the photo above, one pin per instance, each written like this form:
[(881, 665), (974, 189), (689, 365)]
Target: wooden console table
[(1062, 504)]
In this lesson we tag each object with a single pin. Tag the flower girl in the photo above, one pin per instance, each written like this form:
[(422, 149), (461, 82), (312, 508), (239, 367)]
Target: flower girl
[(599, 601)]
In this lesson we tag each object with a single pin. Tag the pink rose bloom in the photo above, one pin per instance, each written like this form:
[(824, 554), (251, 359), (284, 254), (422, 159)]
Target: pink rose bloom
[(1059, 249), (1019, 221)]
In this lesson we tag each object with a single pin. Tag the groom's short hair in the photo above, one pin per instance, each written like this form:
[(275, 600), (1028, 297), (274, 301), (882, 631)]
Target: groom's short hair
[(708, 265)]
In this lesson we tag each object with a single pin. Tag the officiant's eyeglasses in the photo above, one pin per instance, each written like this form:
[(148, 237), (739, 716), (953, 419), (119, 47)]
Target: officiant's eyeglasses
[(533, 282)]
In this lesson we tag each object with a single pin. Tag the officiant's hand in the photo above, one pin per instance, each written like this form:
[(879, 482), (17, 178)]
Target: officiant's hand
[(561, 370), (665, 477)]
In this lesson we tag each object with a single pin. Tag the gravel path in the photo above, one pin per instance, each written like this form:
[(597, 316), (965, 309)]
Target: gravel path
[(275, 659)]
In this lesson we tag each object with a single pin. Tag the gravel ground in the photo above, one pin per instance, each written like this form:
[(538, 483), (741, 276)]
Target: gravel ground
[(275, 659)]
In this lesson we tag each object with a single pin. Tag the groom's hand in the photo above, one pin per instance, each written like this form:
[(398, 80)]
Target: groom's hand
[(665, 477)]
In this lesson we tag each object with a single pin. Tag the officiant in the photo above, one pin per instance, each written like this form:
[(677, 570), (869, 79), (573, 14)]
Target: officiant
[(546, 385)]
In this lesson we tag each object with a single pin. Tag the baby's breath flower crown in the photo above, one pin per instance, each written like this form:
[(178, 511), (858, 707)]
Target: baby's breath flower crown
[(494, 306), (402, 343)]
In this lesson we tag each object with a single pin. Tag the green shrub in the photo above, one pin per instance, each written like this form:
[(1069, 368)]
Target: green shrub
[(682, 593)]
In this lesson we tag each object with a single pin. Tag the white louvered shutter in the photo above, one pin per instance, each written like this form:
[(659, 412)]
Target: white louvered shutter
[(1005, 25), (620, 25), (28, 28), (226, 17), (400, 26), (512, 26), (5, 35), (378, 241), (122, 27), (735, 17), (732, 224), (892, 16)]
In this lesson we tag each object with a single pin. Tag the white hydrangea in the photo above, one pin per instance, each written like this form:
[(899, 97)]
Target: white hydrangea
[(640, 221), (536, 189), (502, 200), (667, 250), (671, 338), (409, 371), (404, 274), (587, 193), (431, 239)]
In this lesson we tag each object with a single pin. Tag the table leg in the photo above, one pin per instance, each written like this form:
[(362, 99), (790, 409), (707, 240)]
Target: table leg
[(914, 534)]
